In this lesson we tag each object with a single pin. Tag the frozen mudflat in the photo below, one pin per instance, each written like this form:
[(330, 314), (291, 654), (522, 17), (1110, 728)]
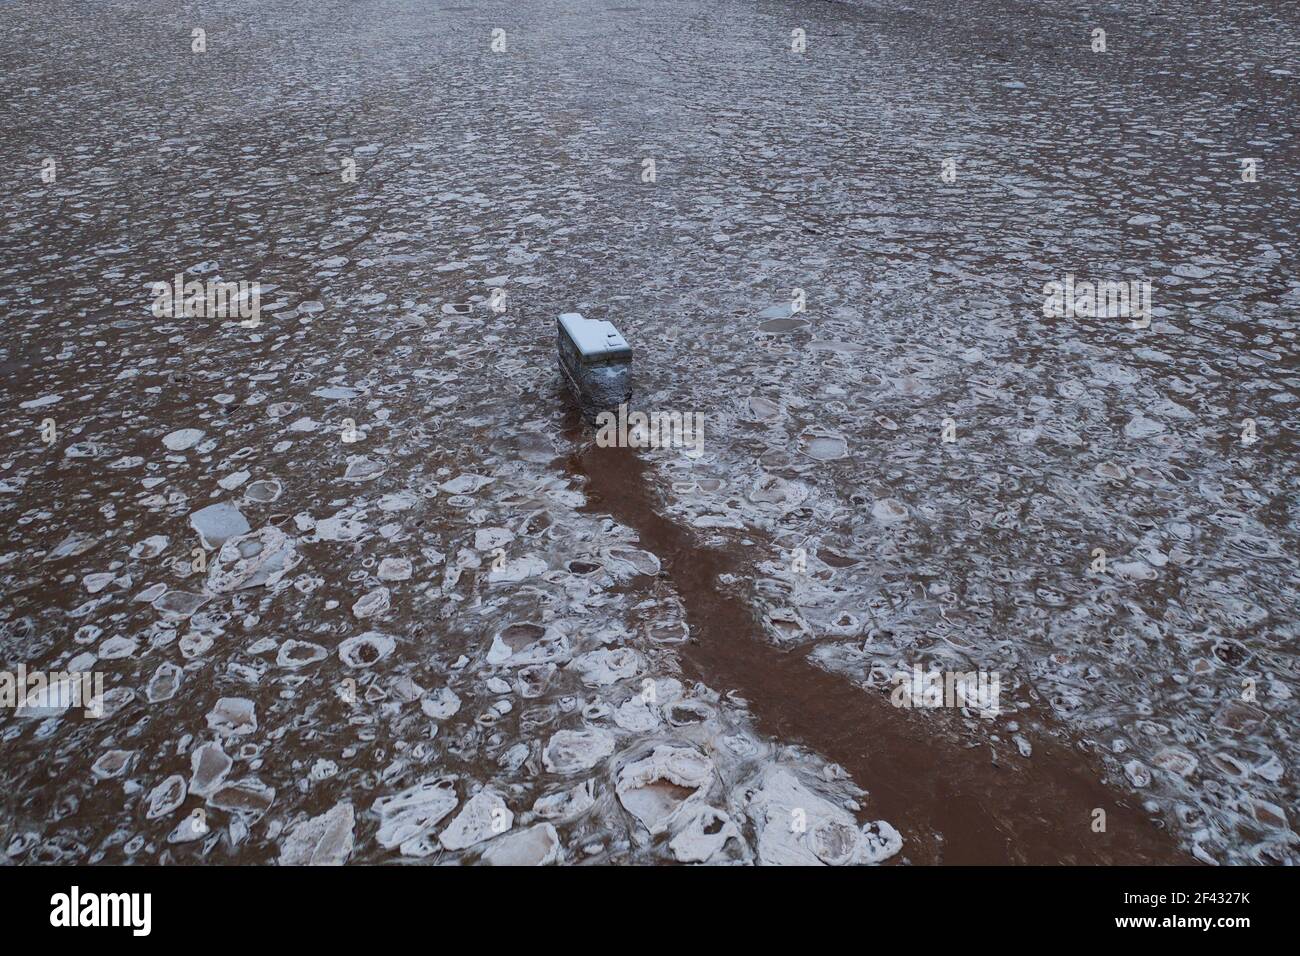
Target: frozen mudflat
[(363, 589)]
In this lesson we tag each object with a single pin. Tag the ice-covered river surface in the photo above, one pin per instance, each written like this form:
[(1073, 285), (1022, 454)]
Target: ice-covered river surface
[(360, 585)]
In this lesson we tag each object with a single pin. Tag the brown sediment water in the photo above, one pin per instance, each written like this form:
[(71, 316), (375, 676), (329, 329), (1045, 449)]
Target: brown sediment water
[(953, 803)]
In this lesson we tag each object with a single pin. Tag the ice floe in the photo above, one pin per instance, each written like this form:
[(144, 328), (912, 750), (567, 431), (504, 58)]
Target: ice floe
[(407, 816), (539, 845), (366, 650), (233, 716), (326, 840), (483, 816), (217, 523), (572, 751)]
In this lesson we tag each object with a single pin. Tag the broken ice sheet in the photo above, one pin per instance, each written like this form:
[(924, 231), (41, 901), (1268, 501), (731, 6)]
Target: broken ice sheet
[(233, 716), (361, 468), (607, 666), (827, 835), (339, 528), (249, 796), (209, 766), (465, 484), (539, 845), (658, 786), (703, 835), (526, 642), (517, 569), (183, 439), (233, 480), (626, 563), (253, 560), (150, 547), (372, 604), (564, 806), (572, 751), (326, 840), (394, 569), (164, 683), (823, 447), (366, 650), (116, 648), (489, 539), (336, 392), (263, 492), (483, 816), (218, 523), (94, 583), (294, 654), (406, 816), (74, 544), (179, 604), (166, 797), (112, 763), (440, 704)]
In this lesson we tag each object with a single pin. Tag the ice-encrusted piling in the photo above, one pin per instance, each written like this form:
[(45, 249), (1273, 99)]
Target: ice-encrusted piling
[(596, 362)]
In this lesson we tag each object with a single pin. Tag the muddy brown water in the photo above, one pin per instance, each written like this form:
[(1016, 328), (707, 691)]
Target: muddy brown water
[(954, 804)]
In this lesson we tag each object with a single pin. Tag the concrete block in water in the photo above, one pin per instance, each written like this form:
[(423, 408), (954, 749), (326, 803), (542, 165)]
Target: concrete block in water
[(596, 362)]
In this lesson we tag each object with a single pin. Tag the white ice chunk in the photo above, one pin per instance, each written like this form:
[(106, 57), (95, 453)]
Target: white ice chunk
[(366, 650), (216, 524), (326, 840), (572, 751), (183, 439), (537, 846), (484, 816), (233, 716), (408, 815)]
